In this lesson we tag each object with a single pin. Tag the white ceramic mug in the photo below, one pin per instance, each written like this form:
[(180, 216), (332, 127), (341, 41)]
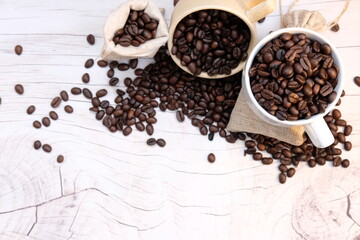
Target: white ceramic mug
[(315, 126), (248, 10)]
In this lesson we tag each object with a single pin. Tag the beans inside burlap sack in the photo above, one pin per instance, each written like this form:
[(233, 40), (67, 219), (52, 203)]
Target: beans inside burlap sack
[(243, 119), (117, 20)]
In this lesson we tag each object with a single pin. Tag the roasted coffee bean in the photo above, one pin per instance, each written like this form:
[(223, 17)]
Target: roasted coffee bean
[(211, 136), (47, 148), (133, 63), (87, 93), (282, 178), (180, 116), (53, 115), (149, 129), (357, 81), (60, 159), (46, 121), (283, 168), (56, 102), (127, 131), (250, 144), (161, 142), (19, 89), (31, 109), (337, 161), (335, 28), (90, 39), (267, 161), (110, 73), (89, 63), (290, 172), (211, 158), (348, 146), (257, 156), (113, 81), (345, 163), (76, 91), (261, 20), (347, 130), (37, 144), (340, 122), (85, 78), (341, 137), (123, 67), (102, 63), (18, 49), (151, 142), (64, 95), (101, 93), (100, 114), (68, 109)]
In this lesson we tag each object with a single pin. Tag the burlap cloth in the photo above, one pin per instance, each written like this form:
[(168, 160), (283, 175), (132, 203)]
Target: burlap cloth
[(243, 119), (117, 20)]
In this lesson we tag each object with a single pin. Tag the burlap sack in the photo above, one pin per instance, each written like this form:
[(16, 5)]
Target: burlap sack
[(117, 20), (303, 18)]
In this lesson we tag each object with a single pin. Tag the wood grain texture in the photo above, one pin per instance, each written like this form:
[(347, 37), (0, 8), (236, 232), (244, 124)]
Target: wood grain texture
[(116, 187)]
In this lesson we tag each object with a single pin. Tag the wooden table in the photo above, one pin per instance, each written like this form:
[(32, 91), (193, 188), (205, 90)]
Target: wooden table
[(116, 187)]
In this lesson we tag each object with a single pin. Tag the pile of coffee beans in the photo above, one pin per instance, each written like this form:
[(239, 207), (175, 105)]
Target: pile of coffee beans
[(293, 77), (139, 28), (211, 41)]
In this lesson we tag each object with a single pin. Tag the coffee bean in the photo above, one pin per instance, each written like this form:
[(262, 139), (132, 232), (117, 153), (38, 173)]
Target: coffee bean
[(64, 95), (53, 115), (87, 93), (19, 89), (283, 168), (357, 81), (211, 136), (345, 163), (149, 129), (267, 161), (90, 39), (76, 91), (37, 144), (47, 148), (335, 28), (113, 81), (46, 121), (151, 141), (340, 122), (291, 172), (101, 93), (257, 156), (86, 78), (68, 109), (348, 146), (211, 158), (31, 109), (337, 161), (336, 114), (56, 102), (161, 142), (60, 159), (180, 116), (102, 63), (18, 49), (282, 178), (261, 20), (347, 130), (89, 63), (37, 124), (133, 63)]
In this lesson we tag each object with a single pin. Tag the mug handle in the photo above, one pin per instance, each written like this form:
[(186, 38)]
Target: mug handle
[(257, 9), (319, 133)]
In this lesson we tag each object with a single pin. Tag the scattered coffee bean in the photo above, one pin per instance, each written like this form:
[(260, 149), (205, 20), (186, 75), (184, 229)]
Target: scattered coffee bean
[(282, 178), (133, 63), (267, 161), (87, 93), (102, 63), (90, 39), (19, 89), (53, 115), (180, 116), (56, 102), (18, 49), (347, 130), (149, 129), (85, 78), (47, 148), (37, 144), (151, 141), (113, 81), (347, 146), (64, 95), (46, 121), (89, 63), (60, 159), (68, 109), (335, 28), (31, 109), (127, 131), (291, 172), (357, 81), (211, 41), (211, 158), (345, 163), (161, 142), (261, 20), (101, 93), (76, 91), (37, 124), (211, 136), (123, 67)]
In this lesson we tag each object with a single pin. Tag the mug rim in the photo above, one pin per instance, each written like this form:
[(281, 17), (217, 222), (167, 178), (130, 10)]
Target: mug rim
[(220, 7), (294, 30)]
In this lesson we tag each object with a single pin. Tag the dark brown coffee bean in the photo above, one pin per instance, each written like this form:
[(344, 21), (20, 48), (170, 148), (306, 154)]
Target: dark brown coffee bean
[(100, 114), (250, 144), (335, 28), (56, 102), (60, 159), (211, 158), (348, 146), (151, 141), (290, 172), (46, 121), (347, 130), (337, 161), (345, 163), (180, 116), (64, 95), (53, 115), (341, 137), (101, 93), (113, 81), (127, 131), (161, 142), (87, 93), (19, 89), (125, 42), (31, 109), (102, 63), (47, 148), (90, 39), (18, 49), (357, 81), (320, 161), (133, 63), (68, 109), (76, 91), (340, 122), (149, 129), (261, 20), (257, 156), (123, 67), (89, 63), (336, 114), (267, 161), (282, 178), (283, 168), (86, 78), (37, 144)]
